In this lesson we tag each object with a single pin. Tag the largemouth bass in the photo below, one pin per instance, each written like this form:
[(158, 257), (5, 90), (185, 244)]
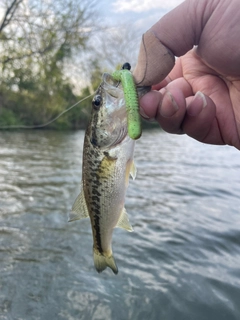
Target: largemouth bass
[(107, 164)]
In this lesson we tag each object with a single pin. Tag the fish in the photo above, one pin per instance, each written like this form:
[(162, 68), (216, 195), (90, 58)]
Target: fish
[(107, 164)]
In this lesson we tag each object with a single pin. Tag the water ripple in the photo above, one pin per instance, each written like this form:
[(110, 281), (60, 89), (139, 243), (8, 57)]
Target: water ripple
[(181, 262)]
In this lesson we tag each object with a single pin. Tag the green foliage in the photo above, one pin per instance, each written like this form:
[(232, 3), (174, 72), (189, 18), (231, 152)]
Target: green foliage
[(8, 117), (35, 50)]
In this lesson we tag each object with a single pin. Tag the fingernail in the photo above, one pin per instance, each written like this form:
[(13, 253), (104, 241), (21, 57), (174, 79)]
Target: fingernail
[(143, 114), (197, 105), (171, 107)]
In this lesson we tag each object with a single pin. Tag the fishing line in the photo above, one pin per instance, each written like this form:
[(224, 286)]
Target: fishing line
[(47, 123)]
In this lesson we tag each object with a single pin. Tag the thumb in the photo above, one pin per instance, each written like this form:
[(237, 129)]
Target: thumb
[(173, 35), (155, 61)]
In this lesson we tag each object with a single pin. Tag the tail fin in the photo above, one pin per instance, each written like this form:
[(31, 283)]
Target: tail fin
[(101, 262)]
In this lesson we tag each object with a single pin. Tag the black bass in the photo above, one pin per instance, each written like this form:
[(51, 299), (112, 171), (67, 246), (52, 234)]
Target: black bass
[(107, 164)]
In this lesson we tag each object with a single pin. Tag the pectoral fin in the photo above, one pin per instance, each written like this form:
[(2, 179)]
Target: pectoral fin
[(123, 221), (79, 208), (130, 170), (133, 170)]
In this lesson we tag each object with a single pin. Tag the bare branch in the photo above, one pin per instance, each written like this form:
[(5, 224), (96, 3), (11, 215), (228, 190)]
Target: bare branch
[(9, 14)]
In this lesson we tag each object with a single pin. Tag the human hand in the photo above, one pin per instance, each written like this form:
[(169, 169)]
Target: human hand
[(201, 94)]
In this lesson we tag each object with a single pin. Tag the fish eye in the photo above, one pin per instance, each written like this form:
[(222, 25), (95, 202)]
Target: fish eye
[(97, 101), (126, 66)]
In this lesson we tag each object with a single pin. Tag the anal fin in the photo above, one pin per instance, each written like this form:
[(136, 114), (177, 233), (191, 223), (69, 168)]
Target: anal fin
[(79, 208), (123, 221)]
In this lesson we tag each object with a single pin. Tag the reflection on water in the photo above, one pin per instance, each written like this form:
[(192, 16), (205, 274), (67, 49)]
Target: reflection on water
[(182, 261)]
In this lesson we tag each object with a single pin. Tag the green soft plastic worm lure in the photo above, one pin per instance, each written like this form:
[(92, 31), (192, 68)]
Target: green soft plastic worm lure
[(131, 98)]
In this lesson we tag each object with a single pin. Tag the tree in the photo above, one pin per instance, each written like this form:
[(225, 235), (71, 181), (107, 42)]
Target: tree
[(37, 39), (39, 28)]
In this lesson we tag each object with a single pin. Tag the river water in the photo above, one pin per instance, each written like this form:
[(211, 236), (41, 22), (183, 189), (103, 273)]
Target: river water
[(181, 262)]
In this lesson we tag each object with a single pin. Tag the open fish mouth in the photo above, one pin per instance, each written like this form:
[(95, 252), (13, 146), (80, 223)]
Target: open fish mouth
[(115, 89), (110, 85)]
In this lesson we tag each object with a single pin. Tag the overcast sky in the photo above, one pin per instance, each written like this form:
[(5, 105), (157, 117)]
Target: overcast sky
[(142, 13), (124, 22)]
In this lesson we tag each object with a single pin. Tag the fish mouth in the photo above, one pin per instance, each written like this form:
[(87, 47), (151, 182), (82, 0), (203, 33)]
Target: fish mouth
[(109, 126), (110, 85), (113, 91), (114, 87), (113, 96), (110, 122)]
